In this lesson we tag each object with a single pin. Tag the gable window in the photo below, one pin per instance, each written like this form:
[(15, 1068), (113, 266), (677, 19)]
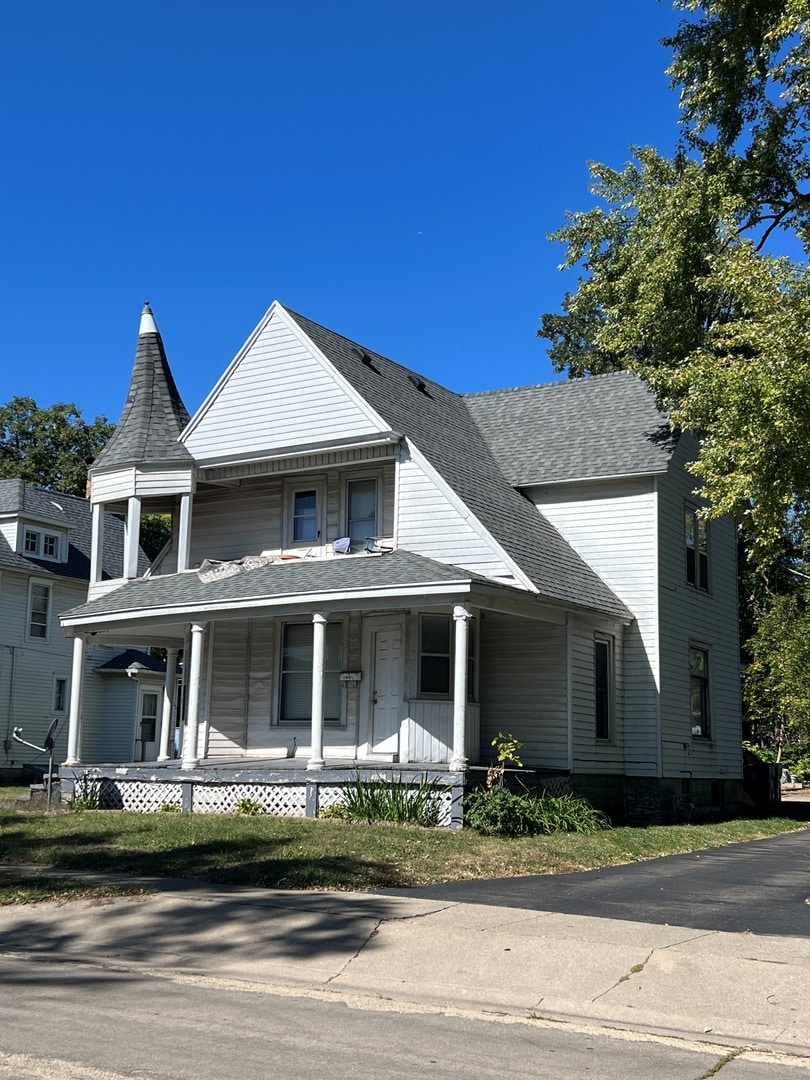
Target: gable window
[(361, 512), (39, 607), (699, 691), (60, 689), (603, 685), (295, 694), (697, 549), (436, 657)]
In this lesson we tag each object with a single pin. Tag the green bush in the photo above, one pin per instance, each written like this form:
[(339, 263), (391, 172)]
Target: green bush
[(86, 793), (388, 800), (248, 808), (499, 811)]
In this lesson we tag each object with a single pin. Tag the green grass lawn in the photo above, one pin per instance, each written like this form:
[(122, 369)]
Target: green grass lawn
[(307, 854)]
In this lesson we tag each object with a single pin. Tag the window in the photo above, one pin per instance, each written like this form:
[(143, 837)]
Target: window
[(697, 549), (603, 684), (304, 508), (361, 512), (39, 603), (295, 697), (50, 546), (149, 712), (60, 688), (31, 542), (41, 544), (699, 691), (436, 656)]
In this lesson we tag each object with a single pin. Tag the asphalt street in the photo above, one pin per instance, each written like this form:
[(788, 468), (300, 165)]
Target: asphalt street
[(762, 886)]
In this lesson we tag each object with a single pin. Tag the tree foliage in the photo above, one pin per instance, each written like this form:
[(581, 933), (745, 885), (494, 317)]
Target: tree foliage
[(50, 447)]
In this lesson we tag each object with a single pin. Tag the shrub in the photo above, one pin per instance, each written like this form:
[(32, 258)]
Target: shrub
[(86, 793), (248, 808), (389, 800), (170, 808), (499, 811)]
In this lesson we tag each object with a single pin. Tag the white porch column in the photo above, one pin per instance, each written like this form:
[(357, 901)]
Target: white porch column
[(190, 758), (168, 701), (184, 533), (74, 751), (461, 619), (132, 537), (316, 760), (97, 544)]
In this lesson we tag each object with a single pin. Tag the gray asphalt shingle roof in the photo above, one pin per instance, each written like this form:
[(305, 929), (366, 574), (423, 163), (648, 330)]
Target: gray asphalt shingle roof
[(154, 413), (440, 424), (605, 425), (33, 503), (283, 580)]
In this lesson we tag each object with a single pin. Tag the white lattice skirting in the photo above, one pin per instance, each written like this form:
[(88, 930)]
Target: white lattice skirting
[(139, 797), (280, 800)]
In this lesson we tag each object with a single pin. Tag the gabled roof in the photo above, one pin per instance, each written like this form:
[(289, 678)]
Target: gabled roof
[(35, 504), (154, 413), (443, 429), (582, 429)]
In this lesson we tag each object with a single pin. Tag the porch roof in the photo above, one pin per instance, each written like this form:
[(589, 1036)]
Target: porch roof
[(369, 577)]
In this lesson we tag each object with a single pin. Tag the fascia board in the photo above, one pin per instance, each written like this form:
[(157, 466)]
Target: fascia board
[(591, 479), (459, 505)]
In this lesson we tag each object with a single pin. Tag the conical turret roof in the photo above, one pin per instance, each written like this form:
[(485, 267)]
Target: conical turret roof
[(154, 413)]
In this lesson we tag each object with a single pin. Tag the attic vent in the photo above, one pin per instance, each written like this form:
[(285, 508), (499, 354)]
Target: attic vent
[(361, 354), (420, 384)]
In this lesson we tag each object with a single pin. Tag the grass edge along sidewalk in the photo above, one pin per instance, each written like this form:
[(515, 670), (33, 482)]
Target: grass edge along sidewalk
[(319, 854)]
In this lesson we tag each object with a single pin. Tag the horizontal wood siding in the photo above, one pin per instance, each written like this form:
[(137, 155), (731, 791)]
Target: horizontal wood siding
[(522, 688), (708, 619), (107, 487), (613, 526), (279, 395), (228, 713), (430, 525), (592, 755), (120, 706), (168, 482), (430, 731)]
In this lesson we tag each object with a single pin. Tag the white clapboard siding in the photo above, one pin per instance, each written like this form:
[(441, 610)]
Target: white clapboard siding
[(8, 530), (522, 688), (120, 705), (163, 482), (279, 394), (706, 619), (592, 755), (429, 524), (613, 526), (109, 486), (228, 713), (430, 731)]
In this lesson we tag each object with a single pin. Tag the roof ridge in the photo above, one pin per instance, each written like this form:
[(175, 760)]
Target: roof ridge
[(550, 385)]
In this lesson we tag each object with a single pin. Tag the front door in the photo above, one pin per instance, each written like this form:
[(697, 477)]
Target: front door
[(385, 645)]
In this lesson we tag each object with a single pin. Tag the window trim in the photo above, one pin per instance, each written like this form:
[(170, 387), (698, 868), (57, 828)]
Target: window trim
[(609, 642), (304, 725), (473, 657), (706, 722), (54, 707), (699, 550), (48, 586), (39, 537), (291, 489)]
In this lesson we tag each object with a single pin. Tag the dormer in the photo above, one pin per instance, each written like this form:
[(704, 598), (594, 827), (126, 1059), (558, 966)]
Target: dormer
[(144, 469)]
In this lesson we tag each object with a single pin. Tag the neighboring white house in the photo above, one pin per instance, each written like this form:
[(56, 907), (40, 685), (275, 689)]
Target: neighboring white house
[(45, 543), (366, 566)]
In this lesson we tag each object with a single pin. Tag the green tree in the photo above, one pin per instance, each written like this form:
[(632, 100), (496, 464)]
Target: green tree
[(51, 446)]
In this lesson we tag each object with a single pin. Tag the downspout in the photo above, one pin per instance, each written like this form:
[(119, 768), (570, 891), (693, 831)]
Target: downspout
[(10, 710)]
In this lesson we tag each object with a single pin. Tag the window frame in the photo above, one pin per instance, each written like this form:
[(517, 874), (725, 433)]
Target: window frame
[(472, 659), (329, 724), (48, 587), (357, 478), (290, 492), (55, 709), (696, 552), (33, 540), (605, 734), (705, 727)]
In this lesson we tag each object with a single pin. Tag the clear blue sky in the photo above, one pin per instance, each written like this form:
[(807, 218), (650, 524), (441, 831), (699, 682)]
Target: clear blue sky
[(391, 170)]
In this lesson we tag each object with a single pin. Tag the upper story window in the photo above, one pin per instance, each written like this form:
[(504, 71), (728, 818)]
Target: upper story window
[(696, 538), (699, 690), (436, 657), (304, 515), (361, 512), (603, 685), (42, 544), (39, 610)]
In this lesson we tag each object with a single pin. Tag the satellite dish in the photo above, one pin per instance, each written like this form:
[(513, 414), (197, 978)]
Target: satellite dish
[(49, 738)]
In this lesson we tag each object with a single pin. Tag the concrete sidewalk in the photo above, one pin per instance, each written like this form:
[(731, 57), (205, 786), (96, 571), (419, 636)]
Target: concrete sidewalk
[(724, 987)]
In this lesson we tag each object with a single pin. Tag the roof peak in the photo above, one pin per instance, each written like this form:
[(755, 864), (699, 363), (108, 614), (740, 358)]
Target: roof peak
[(148, 324)]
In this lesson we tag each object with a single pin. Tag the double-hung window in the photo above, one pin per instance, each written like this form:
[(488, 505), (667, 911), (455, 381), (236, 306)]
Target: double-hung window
[(39, 610), (361, 512), (696, 539), (603, 685), (60, 694), (295, 695), (699, 691), (304, 514), (436, 657)]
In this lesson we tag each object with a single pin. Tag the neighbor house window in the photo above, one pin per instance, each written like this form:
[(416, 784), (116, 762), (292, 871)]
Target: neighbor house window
[(31, 542), (361, 512), (603, 684), (699, 691), (50, 546), (39, 605), (41, 544), (60, 688), (697, 549), (436, 657), (149, 713), (295, 697)]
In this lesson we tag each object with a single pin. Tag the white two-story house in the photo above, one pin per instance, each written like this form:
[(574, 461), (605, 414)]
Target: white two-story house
[(367, 567)]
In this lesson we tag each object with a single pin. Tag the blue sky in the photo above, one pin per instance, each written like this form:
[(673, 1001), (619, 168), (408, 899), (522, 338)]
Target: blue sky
[(391, 170)]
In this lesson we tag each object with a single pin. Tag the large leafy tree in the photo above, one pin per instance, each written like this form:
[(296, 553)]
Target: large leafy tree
[(49, 446), (692, 272)]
